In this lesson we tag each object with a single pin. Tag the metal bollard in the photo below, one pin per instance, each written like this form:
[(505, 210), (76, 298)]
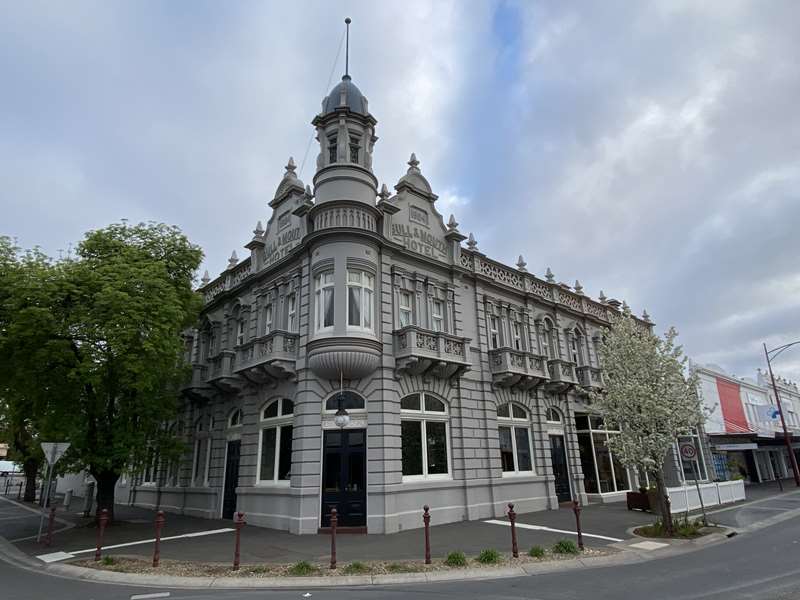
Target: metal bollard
[(8, 481), (426, 519), (512, 517), (19, 491), (668, 517), (577, 508), (49, 539), (101, 527), (239, 524), (334, 520), (157, 548)]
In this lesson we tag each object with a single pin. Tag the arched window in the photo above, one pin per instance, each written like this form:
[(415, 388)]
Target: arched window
[(552, 415), (235, 420), (350, 401), (578, 344), (549, 340), (202, 452), (516, 449), (425, 432), (275, 442)]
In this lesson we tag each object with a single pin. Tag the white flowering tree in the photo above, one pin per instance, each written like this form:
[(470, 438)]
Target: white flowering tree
[(649, 395)]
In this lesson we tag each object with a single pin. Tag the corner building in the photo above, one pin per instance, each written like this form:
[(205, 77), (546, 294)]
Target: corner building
[(464, 379)]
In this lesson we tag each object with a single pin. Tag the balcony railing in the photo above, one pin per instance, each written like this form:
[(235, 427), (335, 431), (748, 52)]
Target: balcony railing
[(222, 373), (589, 378), (267, 358), (562, 375), (420, 351), (515, 368)]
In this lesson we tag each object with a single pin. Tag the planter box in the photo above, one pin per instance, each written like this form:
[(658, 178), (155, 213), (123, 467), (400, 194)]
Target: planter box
[(638, 500)]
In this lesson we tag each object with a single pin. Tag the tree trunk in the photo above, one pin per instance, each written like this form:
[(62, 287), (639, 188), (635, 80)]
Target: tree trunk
[(661, 494), (106, 482), (30, 467)]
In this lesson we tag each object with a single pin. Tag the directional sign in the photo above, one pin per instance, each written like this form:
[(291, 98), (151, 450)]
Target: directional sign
[(688, 451), (53, 451)]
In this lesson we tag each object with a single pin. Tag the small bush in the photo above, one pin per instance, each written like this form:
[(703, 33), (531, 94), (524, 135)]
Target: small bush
[(565, 547), (108, 561), (490, 556), (456, 559), (355, 568), (302, 568), (536, 552)]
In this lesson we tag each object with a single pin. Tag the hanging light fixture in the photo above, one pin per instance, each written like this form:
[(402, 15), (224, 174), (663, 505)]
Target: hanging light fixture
[(341, 418)]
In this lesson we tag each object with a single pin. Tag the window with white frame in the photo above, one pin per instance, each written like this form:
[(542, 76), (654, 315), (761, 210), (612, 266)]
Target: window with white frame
[(437, 315), (516, 334), (424, 437), (267, 318), (603, 472), (494, 330), (291, 312), (552, 415), (360, 289), (405, 310), (275, 442), (151, 466), (549, 341), (323, 291), (577, 347), (235, 420), (516, 448)]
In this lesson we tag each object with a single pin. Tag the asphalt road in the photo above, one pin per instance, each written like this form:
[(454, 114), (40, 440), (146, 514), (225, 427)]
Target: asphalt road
[(760, 564)]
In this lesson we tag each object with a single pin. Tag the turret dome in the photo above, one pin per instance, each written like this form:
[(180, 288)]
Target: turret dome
[(345, 94)]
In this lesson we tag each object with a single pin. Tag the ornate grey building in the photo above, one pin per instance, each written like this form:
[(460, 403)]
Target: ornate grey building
[(464, 379)]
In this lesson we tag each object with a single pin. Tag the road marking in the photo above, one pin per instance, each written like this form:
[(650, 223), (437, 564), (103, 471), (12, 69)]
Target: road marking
[(54, 557), (648, 545), (163, 539), (148, 596), (542, 528), (765, 508)]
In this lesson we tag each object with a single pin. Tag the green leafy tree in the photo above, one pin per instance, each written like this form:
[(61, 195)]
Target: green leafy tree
[(648, 394), (102, 361)]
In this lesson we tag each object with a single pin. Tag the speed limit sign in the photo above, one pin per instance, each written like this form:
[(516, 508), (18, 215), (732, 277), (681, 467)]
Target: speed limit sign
[(688, 451)]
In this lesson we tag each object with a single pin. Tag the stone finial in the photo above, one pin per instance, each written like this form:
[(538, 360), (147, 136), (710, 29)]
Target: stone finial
[(602, 297), (645, 316), (205, 279), (578, 287), (384, 194), (471, 243), (259, 230), (549, 276), (233, 260), (521, 264), (309, 193), (452, 224), (413, 164), (290, 168)]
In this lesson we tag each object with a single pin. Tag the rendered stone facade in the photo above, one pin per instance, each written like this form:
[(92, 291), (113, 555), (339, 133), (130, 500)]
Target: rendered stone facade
[(473, 374)]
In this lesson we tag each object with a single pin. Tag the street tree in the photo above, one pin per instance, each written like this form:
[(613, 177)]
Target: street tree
[(103, 361), (649, 395)]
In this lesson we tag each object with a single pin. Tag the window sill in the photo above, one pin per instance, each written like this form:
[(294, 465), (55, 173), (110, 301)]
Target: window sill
[(518, 474), (272, 484), (424, 478)]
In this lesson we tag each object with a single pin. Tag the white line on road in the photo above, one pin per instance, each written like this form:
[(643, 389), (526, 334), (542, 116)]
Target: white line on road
[(542, 528), (148, 596), (163, 539)]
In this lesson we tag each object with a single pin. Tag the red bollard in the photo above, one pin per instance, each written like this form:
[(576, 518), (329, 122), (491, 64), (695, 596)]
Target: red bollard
[(577, 508), (101, 527), (49, 539), (512, 518), (239, 524), (157, 549), (334, 520), (426, 519)]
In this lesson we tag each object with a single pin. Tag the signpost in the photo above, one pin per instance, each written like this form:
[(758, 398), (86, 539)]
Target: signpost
[(52, 452), (689, 452)]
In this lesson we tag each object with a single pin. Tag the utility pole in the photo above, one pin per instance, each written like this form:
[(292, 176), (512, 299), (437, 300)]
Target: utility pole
[(786, 437)]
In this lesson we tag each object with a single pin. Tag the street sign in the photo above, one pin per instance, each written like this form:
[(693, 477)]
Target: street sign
[(688, 451), (53, 451)]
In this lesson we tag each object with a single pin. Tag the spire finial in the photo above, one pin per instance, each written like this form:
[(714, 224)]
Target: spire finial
[(578, 287), (384, 195), (521, 264), (549, 276), (452, 224), (290, 167), (205, 278), (347, 22), (413, 163), (472, 244)]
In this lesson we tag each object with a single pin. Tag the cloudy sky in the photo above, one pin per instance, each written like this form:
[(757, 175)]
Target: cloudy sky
[(651, 150)]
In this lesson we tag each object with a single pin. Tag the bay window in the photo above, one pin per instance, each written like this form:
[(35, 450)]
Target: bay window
[(437, 315), (360, 286), (516, 449), (275, 442), (405, 312), (323, 291), (424, 437)]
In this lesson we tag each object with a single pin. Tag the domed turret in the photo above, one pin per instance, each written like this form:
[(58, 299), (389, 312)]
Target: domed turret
[(345, 96)]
